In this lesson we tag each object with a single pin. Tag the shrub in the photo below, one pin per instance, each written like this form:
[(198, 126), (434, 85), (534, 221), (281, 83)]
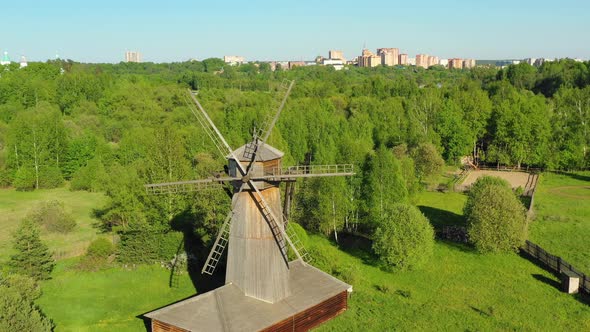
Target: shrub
[(91, 177), (147, 247), (52, 216), (50, 177), (428, 161), (496, 218), (24, 179), (5, 178), (478, 186), (100, 248), (97, 254), (404, 239)]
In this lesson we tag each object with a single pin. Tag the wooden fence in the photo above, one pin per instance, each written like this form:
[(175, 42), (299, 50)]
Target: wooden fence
[(556, 264)]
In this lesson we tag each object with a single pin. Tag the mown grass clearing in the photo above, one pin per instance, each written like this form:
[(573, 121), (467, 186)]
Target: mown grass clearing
[(15, 205), (562, 217), (108, 300), (457, 290)]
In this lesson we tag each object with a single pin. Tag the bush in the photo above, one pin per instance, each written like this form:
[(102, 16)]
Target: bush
[(496, 218), (52, 216), (97, 255), (50, 177), (100, 248), (147, 247), (5, 178), (91, 177), (24, 179), (404, 239)]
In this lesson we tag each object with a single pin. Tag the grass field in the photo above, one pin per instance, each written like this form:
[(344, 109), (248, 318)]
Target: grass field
[(458, 290), (108, 300), (14, 205), (562, 222)]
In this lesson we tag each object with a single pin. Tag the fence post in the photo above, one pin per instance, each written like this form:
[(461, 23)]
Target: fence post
[(559, 264)]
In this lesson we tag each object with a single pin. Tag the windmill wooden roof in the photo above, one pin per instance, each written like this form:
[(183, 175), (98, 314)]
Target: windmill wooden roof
[(228, 309), (265, 153)]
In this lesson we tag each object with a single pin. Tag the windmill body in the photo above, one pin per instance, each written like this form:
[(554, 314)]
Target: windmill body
[(255, 262), (263, 289)]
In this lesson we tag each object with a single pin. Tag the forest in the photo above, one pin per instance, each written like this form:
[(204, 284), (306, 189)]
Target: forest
[(114, 127)]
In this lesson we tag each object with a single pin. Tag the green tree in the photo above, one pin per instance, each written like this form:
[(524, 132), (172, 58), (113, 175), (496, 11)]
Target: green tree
[(496, 218), (18, 311), (404, 239), (383, 185), (428, 161), (32, 257)]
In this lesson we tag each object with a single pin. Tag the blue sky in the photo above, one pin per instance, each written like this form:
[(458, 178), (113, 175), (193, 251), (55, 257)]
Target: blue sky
[(163, 31)]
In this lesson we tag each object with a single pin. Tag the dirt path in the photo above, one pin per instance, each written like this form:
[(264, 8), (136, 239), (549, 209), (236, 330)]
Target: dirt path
[(516, 179)]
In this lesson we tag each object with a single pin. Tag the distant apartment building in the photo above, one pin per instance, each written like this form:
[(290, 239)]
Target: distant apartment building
[(422, 60), (132, 56), (433, 60), (469, 63), (293, 64), (455, 63), (444, 62), (389, 56), (233, 59), (336, 55), (338, 64), (368, 59), (403, 59), (411, 61)]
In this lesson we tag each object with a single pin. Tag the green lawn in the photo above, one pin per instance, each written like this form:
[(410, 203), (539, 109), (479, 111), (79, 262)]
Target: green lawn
[(108, 300), (562, 222), (14, 205), (458, 290)]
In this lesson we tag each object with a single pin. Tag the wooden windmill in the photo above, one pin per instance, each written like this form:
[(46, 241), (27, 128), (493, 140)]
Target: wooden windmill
[(256, 231)]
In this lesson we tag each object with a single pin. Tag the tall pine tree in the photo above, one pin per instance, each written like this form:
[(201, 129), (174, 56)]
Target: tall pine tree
[(33, 257)]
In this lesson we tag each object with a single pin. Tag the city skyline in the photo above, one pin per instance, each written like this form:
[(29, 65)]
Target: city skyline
[(265, 30)]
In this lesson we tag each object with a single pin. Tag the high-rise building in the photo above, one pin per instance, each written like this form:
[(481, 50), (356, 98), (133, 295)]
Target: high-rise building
[(468, 63), (368, 59), (233, 59), (403, 59), (132, 56), (433, 60), (422, 60), (389, 56), (455, 63), (336, 55)]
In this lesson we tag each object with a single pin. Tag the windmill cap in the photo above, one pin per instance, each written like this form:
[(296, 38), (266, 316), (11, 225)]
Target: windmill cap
[(264, 153)]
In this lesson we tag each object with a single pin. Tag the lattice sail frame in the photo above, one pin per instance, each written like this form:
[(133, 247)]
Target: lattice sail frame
[(273, 175)]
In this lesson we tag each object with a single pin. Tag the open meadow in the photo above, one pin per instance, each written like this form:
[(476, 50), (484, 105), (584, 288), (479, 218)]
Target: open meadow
[(562, 217), (458, 289), (15, 205)]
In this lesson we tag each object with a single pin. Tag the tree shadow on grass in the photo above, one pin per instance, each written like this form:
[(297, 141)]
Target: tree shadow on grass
[(197, 253), (463, 247), (358, 246), (574, 176), (439, 218)]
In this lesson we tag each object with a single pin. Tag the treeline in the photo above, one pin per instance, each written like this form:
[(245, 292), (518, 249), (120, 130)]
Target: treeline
[(113, 128)]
